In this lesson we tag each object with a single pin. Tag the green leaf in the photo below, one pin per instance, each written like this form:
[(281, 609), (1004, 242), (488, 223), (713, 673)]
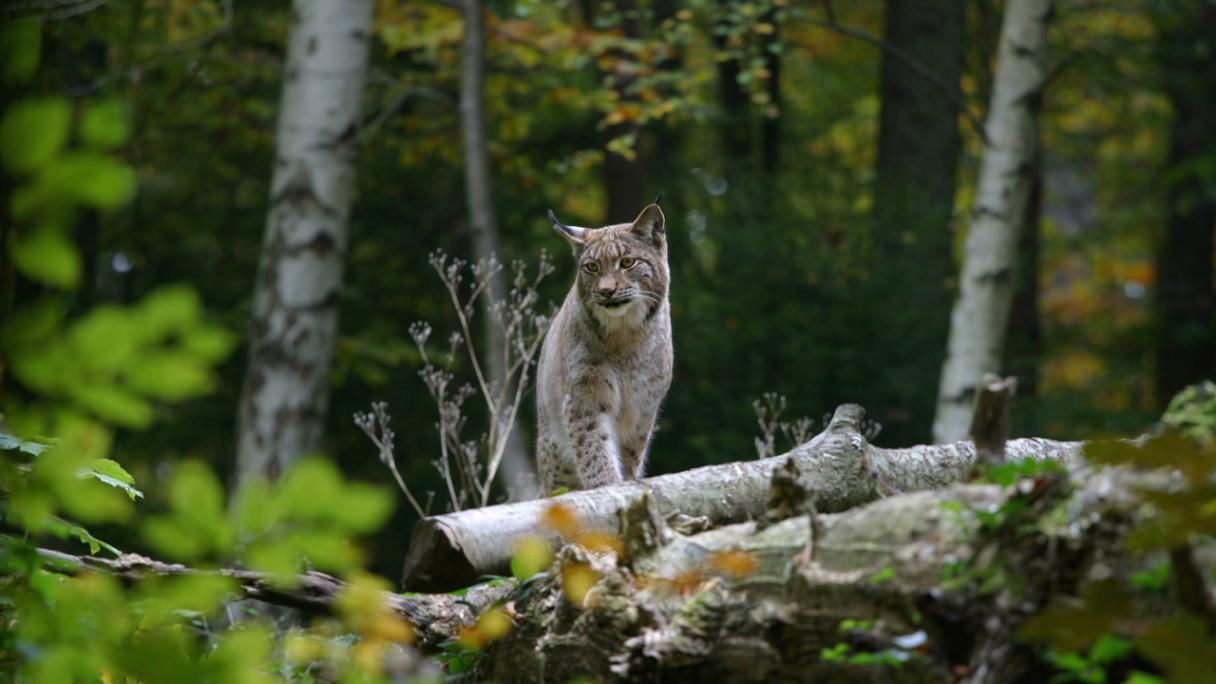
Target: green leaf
[(168, 310), (105, 339), (1153, 579), (46, 255), (31, 509), (209, 342), (365, 508), (197, 524), (105, 125), (14, 443), (162, 599), (109, 472), (310, 489), (113, 404), (241, 656), (33, 324), (32, 132), (111, 469), (1109, 648), (20, 48), (176, 538), (63, 529), (171, 376), (194, 488), (99, 181)]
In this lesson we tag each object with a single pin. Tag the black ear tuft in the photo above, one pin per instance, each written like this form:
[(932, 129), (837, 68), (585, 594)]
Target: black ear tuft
[(574, 234), (658, 199)]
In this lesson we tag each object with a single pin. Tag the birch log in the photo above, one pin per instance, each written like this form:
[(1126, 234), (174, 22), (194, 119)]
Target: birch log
[(838, 466), (483, 222), (980, 317), (678, 613), (295, 310)]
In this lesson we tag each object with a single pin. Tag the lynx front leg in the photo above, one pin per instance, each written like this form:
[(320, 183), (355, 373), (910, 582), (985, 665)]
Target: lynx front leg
[(633, 449), (597, 456)]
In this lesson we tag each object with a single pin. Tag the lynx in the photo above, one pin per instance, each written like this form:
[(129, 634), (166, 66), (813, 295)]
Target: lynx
[(606, 361)]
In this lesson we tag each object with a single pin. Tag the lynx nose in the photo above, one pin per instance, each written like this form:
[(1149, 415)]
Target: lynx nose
[(606, 287)]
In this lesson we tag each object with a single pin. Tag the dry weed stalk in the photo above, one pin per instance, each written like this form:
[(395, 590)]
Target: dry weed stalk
[(468, 466)]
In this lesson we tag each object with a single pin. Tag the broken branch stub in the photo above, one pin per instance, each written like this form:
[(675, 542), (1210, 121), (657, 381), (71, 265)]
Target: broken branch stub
[(841, 468), (992, 418)]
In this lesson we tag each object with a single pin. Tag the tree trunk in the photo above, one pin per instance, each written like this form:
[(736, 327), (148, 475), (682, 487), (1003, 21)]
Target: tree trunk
[(736, 116), (749, 145), (980, 317), (624, 178), (1186, 304), (918, 151), (770, 126), (1025, 347), (838, 465), (482, 220), (295, 310)]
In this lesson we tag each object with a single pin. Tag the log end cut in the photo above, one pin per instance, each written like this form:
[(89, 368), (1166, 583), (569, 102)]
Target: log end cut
[(435, 562)]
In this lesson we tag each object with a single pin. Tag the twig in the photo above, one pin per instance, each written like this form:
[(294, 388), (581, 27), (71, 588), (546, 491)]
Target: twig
[(49, 10), (434, 616), (377, 422)]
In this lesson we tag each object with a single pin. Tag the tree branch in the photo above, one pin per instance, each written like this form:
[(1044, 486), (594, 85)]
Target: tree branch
[(950, 91), (434, 616)]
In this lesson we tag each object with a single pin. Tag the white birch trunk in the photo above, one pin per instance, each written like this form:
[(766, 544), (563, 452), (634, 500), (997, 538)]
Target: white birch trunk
[(295, 316), (482, 220), (980, 317)]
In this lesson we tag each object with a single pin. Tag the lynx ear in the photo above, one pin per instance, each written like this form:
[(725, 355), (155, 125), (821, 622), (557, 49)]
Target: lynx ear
[(650, 225), (574, 234)]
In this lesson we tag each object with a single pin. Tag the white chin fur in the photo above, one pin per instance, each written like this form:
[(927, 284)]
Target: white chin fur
[(620, 315)]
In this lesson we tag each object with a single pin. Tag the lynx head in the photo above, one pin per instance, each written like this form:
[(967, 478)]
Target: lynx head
[(622, 269)]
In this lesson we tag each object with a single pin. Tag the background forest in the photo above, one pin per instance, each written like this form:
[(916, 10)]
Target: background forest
[(818, 163)]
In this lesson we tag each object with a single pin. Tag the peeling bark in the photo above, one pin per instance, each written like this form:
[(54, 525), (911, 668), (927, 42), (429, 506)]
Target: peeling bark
[(838, 466), (980, 317), (295, 310)]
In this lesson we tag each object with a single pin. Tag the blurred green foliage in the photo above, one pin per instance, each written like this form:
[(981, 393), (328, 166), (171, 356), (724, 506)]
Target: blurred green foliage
[(75, 378), (1178, 515)]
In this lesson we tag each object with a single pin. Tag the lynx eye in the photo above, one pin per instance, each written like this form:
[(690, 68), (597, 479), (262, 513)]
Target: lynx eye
[(591, 267), (628, 262)]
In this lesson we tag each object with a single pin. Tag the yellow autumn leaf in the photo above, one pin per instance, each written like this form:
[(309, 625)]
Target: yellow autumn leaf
[(494, 624), (577, 580), (561, 519)]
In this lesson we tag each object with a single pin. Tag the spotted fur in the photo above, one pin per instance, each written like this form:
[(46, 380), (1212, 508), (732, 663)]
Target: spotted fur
[(606, 362)]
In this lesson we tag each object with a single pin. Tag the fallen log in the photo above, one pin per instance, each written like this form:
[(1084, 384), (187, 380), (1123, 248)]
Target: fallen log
[(838, 466), (906, 589)]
